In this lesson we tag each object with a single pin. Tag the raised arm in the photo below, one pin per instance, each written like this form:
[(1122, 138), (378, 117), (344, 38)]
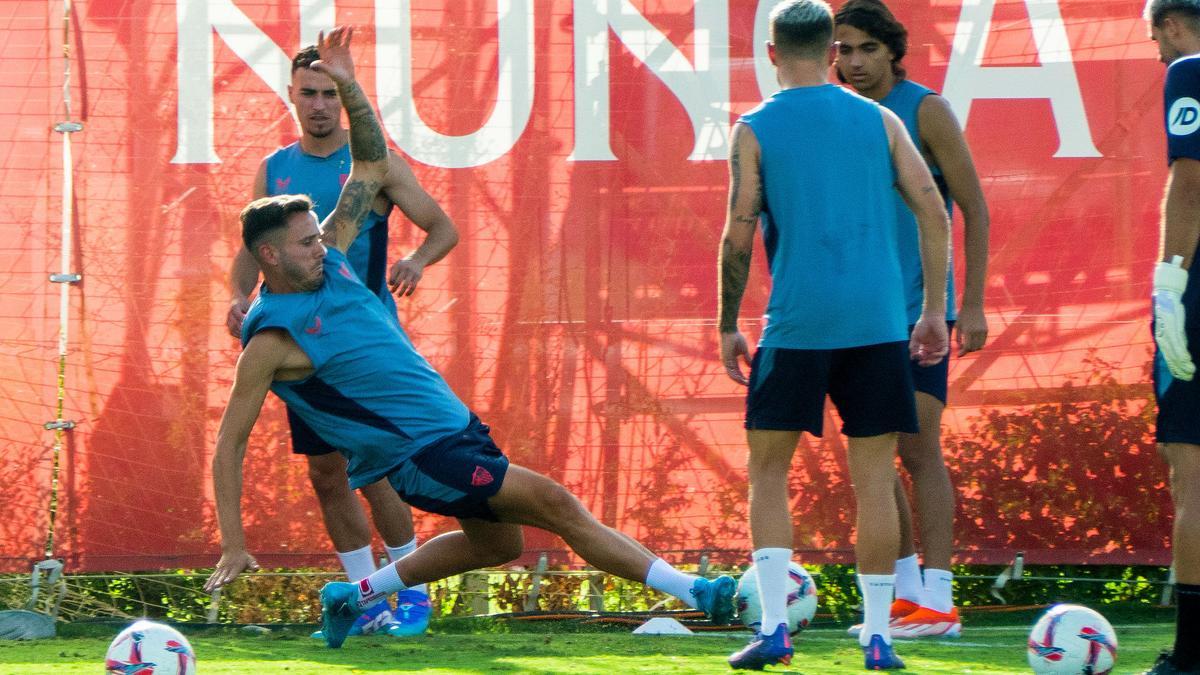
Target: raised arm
[(943, 136), (930, 342), (402, 188), (737, 243), (368, 149), (256, 368)]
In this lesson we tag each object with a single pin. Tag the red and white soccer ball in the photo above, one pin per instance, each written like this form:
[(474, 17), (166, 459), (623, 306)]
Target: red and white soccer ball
[(801, 599), (1072, 640), (150, 648)]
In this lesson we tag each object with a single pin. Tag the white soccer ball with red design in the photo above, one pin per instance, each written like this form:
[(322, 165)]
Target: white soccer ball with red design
[(150, 648), (801, 599), (1072, 640)]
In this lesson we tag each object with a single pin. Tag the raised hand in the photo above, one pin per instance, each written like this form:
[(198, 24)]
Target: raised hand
[(334, 50)]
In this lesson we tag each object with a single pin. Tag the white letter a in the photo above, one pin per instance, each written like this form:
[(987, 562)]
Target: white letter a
[(967, 79)]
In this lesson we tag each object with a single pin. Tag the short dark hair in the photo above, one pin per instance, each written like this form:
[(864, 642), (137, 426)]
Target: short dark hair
[(801, 28), (1157, 10), (305, 57), (268, 214), (875, 19)]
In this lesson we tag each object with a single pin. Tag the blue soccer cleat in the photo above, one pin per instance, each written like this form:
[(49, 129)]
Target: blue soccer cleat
[(377, 618), (411, 616), (879, 655), (339, 611), (764, 650), (715, 598)]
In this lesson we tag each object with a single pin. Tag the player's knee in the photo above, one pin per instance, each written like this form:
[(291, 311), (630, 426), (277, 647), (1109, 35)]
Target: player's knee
[(328, 484), (920, 463), (559, 505)]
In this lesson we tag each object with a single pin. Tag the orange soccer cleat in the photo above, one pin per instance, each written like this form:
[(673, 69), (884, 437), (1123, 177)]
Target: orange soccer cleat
[(926, 622)]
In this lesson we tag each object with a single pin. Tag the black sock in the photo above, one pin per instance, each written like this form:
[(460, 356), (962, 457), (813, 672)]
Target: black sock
[(1187, 626)]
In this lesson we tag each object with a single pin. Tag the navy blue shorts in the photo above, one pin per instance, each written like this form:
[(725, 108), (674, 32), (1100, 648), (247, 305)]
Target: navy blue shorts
[(305, 441), (871, 387), (1178, 400), (933, 380), (455, 476)]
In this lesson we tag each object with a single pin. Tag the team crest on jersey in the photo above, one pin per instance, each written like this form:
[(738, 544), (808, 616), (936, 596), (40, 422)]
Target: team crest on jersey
[(281, 184), (1184, 116)]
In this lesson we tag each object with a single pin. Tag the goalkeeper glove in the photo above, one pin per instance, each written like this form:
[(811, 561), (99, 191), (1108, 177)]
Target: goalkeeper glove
[(1170, 280)]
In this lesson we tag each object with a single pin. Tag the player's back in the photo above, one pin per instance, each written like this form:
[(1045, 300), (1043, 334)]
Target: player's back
[(290, 170), (828, 220), (371, 394)]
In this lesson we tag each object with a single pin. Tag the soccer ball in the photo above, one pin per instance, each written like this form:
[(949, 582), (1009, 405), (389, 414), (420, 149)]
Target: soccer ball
[(801, 599), (149, 648), (1072, 640)]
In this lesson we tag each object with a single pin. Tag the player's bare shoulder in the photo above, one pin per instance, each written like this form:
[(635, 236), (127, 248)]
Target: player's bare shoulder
[(273, 354)]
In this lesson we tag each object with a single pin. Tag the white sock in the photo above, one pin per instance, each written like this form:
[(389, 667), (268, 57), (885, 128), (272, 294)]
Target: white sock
[(397, 552), (378, 586), (357, 563), (772, 564), (877, 592), (908, 579), (663, 577), (939, 590)]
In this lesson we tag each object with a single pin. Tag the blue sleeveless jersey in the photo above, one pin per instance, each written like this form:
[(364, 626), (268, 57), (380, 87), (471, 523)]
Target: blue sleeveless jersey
[(291, 171), (905, 99), (828, 220), (372, 395)]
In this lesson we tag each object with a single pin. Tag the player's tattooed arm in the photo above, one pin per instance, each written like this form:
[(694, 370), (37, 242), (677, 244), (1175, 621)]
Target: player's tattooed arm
[(737, 241), (745, 205), (368, 148)]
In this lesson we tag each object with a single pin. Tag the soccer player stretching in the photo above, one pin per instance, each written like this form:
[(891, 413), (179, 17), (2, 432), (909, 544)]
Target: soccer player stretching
[(871, 48), (323, 342), (818, 164), (1175, 26), (316, 165)]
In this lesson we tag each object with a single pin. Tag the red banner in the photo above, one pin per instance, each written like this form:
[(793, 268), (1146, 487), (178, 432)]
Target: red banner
[(579, 147)]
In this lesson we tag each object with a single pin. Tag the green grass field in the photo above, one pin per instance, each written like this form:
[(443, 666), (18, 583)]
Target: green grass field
[(997, 646)]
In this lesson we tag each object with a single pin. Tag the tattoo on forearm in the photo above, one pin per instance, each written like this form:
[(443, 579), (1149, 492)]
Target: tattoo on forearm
[(735, 271), (735, 175), (366, 136), (355, 202)]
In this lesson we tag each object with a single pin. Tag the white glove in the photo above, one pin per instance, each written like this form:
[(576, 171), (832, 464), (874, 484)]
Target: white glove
[(1170, 280)]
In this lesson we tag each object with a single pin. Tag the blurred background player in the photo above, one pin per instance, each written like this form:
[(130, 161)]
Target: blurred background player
[(871, 47), (316, 165), (317, 338), (1175, 26), (820, 165)]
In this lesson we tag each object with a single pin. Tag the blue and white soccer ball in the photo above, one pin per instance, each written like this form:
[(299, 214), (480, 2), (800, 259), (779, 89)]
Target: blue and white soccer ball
[(1072, 640), (801, 599), (150, 648)]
